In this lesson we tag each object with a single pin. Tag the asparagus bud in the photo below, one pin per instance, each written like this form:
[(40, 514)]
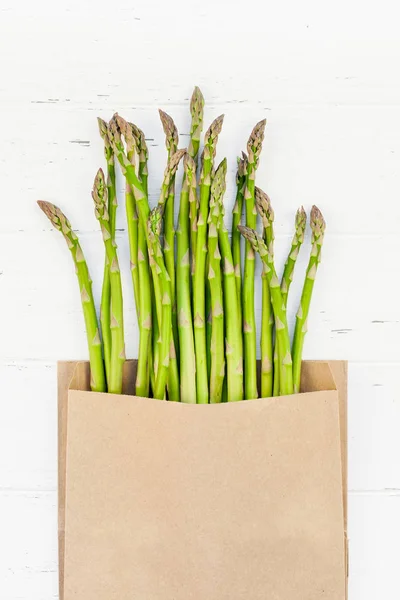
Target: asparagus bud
[(169, 175), (254, 144), (171, 132)]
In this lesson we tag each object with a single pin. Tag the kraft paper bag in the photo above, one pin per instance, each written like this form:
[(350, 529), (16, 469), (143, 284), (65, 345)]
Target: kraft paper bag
[(169, 501)]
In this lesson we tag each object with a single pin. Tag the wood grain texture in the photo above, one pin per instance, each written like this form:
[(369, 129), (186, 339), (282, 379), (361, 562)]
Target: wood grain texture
[(328, 82)]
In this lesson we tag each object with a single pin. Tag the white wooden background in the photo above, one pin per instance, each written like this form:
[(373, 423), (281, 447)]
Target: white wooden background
[(327, 77)]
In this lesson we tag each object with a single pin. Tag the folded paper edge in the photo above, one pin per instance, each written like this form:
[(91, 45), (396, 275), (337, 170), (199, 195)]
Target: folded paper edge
[(80, 380)]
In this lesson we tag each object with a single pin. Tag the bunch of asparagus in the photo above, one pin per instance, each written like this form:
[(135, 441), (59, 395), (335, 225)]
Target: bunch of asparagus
[(194, 297)]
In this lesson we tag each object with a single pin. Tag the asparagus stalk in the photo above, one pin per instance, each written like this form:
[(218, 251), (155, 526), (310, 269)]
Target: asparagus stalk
[(234, 339), (136, 144), (317, 224), (171, 142), (217, 370), (164, 298), (282, 330), (236, 220), (211, 139), (131, 214), (143, 209), (145, 370), (100, 198), (298, 239), (139, 188), (60, 222), (254, 146), (169, 176), (112, 208), (269, 375), (196, 110), (208, 313), (184, 305)]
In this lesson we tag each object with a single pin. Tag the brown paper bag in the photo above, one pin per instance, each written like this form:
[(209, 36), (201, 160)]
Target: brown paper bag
[(169, 501)]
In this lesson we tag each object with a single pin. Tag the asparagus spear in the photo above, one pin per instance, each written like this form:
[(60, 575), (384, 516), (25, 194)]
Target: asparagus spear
[(254, 146), (269, 375), (164, 298), (146, 359), (236, 220), (171, 142), (317, 224), (128, 170), (217, 370), (100, 198), (300, 224), (298, 239), (112, 208), (136, 144), (139, 188), (60, 222), (211, 139), (196, 110), (234, 339), (184, 305), (131, 213), (282, 331)]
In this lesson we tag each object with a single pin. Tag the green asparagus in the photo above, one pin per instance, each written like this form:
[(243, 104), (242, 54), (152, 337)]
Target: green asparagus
[(234, 338), (282, 330), (112, 209), (254, 146), (171, 142), (100, 198), (217, 370), (196, 128), (211, 139), (184, 305), (317, 224), (154, 229), (60, 222), (269, 374), (236, 220)]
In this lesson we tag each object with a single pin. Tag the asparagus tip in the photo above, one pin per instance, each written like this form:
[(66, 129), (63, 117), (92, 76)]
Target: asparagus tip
[(254, 238), (197, 103), (170, 130), (120, 123), (264, 207), (99, 195), (218, 185), (55, 216), (255, 141), (48, 208), (103, 127), (301, 219), (175, 159), (214, 130), (317, 224)]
